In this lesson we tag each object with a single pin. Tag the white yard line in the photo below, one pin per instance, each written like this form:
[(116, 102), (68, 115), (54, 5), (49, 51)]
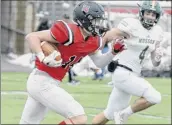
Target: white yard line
[(13, 93)]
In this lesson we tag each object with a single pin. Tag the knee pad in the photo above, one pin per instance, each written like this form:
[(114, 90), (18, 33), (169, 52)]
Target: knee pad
[(152, 95)]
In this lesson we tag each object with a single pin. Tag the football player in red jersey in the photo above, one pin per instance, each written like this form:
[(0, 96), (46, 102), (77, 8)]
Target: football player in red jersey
[(74, 41)]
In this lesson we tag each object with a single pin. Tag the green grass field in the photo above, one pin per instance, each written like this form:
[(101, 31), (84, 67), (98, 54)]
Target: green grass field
[(92, 95)]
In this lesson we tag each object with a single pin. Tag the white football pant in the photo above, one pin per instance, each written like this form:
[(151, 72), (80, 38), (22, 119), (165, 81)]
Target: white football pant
[(126, 84), (45, 93)]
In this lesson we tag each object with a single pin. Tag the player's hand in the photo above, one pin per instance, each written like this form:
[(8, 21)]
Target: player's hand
[(50, 59), (158, 54), (118, 45)]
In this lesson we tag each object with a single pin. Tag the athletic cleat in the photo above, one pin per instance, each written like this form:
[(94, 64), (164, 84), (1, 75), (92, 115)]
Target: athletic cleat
[(120, 118)]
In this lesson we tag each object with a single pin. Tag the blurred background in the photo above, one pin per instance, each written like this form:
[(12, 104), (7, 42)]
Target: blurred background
[(22, 17)]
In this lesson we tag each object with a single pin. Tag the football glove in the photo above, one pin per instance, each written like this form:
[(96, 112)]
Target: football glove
[(50, 59), (118, 45)]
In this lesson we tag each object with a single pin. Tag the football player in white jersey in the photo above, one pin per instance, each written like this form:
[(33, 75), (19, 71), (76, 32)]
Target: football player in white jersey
[(141, 36)]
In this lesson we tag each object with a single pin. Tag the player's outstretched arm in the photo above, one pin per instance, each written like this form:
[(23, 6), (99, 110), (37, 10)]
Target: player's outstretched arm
[(114, 33), (101, 60), (123, 29)]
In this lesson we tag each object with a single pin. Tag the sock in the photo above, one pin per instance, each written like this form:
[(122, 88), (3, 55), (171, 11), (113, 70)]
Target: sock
[(128, 111), (62, 123)]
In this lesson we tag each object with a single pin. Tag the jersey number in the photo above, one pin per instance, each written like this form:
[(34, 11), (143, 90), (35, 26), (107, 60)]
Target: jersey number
[(70, 62), (142, 54)]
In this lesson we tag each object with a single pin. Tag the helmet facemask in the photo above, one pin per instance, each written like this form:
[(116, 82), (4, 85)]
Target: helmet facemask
[(95, 25)]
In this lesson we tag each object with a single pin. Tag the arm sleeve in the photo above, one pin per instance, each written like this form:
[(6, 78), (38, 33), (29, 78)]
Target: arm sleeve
[(101, 60), (62, 33), (100, 43)]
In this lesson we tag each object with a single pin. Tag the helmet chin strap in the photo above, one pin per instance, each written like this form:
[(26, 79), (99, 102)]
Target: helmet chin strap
[(146, 24)]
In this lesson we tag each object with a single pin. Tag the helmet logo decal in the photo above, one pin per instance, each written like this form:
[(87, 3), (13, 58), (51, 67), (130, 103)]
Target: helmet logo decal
[(85, 8)]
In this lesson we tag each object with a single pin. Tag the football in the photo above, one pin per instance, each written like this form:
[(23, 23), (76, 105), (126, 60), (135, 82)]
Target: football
[(48, 48)]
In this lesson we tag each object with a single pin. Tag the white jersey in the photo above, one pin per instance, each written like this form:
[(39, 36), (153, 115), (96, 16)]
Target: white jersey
[(140, 43)]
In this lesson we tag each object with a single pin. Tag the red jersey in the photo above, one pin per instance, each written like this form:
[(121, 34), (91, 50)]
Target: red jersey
[(72, 47)]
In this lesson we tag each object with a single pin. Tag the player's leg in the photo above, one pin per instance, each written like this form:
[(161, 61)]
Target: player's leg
[(70, 76), (47, 91), (137, 86), (64, 104), (33, 112), (100, 119), (60, 101), (150, 96), (72, 80), (118, 100)]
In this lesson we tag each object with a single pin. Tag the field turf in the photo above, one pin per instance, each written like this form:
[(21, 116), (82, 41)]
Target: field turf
[(92, 95)]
